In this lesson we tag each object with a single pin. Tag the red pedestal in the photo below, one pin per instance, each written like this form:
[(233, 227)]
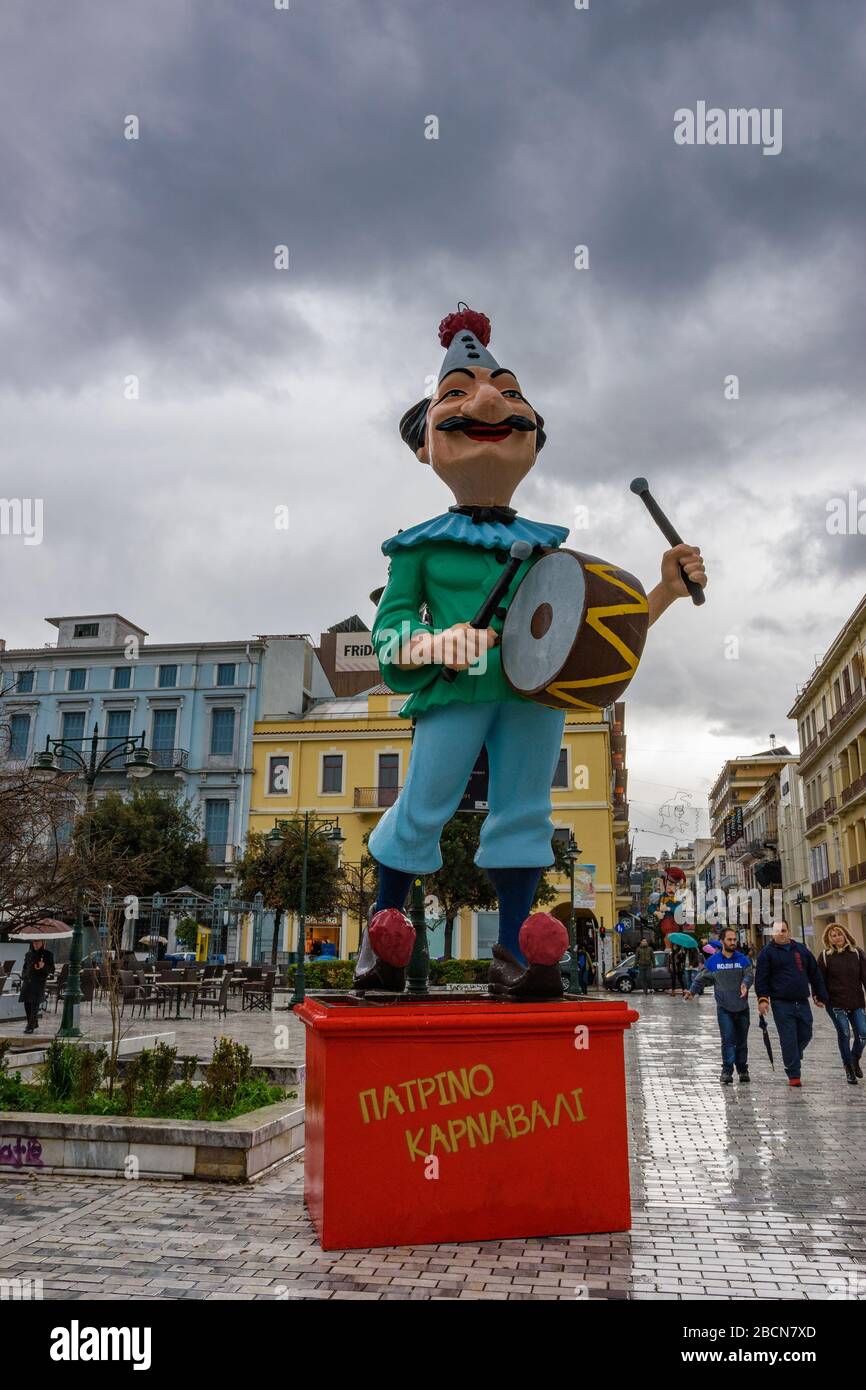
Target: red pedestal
[(464, 1120)]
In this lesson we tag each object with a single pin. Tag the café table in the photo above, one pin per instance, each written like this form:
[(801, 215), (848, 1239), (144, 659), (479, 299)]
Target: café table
[(179, 986)]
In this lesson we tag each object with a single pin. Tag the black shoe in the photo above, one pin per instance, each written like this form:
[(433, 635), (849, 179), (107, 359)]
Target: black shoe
[(858, 1070), (508, 978), (726, 1078), (29, 1029), (850, 1074), (744, 1077)]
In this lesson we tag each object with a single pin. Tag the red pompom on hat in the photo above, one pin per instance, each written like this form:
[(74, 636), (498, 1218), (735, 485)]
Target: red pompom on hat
[(470, 319), (543, 939), (392, 936)]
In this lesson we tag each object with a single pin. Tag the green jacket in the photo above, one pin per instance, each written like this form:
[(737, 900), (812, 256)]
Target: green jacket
[(644, 956), (447, 567)]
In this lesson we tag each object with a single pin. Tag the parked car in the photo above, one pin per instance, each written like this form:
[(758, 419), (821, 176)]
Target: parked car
[(624, 977)]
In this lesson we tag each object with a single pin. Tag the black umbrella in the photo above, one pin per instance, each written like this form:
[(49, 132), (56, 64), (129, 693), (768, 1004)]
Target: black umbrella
[(766, 1036)]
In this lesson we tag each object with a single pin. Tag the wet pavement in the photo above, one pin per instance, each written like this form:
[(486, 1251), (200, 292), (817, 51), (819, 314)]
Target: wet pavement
[(746, 1192)]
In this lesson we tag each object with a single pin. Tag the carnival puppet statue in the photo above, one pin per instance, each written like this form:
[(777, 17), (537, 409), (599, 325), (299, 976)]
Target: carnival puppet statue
[(493, 631)]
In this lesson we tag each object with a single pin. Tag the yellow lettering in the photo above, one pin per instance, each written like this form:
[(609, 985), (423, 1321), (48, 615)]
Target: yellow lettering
[(485, 1070), (439, 1079), (497, 1119), (416, 1148), (517, 1113), (477, 1125), (407, 1087), (538, 1112), (561, 1103), (437, 1137), (456, 1132), (458, 1085), (391, 1098), (578, 1105), (423, 1091), (372, 1094)]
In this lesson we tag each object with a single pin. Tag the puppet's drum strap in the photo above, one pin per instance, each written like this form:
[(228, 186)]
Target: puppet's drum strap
[(574, 631)]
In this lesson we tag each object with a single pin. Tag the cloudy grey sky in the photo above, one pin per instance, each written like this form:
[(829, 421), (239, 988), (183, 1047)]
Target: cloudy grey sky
[(258, 387)]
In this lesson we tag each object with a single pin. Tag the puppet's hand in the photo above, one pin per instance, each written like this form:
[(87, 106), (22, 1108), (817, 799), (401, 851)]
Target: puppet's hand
[(462, 646), (689, 556)]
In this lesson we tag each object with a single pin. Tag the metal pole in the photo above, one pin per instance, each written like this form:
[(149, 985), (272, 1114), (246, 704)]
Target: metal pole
[(298, 995), (69, 1023), (418, 974)]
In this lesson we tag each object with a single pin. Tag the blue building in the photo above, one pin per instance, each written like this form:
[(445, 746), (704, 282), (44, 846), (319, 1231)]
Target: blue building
[(195, 702)]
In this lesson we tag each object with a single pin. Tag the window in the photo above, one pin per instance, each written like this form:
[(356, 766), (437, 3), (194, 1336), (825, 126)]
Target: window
[(278, 774), (560, 776), (167, 677), (72, 731), (562, 836), (24, 682), (86, 630), (77, 679), (226, 673), (19, 736), (164, 729), (332, 772), (389, 772), (122, 678), (117, 730), (216, 829), (222, 733)]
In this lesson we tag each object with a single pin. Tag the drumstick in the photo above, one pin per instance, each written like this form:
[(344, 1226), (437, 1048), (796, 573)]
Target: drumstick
[(520, 551), (669, 531)]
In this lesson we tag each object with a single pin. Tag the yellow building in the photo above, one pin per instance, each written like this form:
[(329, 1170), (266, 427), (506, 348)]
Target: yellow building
[(831, 717), (347, 758)]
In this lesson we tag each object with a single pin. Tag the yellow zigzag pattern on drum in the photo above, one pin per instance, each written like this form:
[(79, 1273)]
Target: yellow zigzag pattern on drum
[(595, 619)]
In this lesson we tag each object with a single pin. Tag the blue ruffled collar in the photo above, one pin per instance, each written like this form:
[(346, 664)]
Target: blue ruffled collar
[(496, 535)]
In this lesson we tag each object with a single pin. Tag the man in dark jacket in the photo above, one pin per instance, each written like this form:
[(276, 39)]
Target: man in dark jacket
[(786, 974), (644, 959), (731, 974), (38, 965)]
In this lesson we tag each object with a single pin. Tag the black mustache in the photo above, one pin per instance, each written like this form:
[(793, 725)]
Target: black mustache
[(465, 422)]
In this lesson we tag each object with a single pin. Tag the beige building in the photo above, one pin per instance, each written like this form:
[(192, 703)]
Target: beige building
[(831, 718), (796, 888)]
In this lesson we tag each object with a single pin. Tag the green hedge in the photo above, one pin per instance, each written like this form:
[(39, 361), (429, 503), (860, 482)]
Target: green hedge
[(338, 974)]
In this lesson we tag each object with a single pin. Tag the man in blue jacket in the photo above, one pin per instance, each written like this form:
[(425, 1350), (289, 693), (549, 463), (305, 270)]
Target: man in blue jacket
[(786, 974), (731, 974)]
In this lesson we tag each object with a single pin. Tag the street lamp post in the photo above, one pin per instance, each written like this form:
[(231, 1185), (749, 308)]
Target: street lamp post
[(327, 829), (799, 900), (572, 854), (138, 765)]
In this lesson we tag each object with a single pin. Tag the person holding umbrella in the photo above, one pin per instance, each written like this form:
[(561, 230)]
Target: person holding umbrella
[(843, 968), (731, 974), (38, 965), (785, 975)]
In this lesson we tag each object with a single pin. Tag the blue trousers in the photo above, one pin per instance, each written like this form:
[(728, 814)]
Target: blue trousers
[(734, 1028), (523, 740), (846, 1021), (794, 1022)]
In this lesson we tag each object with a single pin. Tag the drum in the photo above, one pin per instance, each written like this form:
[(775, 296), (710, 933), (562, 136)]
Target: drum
[(574, 631)]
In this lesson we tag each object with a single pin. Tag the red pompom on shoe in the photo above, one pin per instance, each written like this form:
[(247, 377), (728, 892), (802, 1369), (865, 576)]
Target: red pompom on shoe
[(471, 319), (392, 936), (543, 939)]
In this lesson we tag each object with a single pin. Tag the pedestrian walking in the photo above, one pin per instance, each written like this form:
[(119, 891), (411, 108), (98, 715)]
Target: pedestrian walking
[(38, 965), (644, 959), (584, 966), (843, 969), (730, 971), (785, 975), (676, 966)]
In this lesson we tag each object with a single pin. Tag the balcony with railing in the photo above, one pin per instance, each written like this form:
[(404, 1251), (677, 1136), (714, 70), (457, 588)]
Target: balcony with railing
[(222, 854), (812, 748), (815, 818), (847, 708), (854, 789), (857, 873), (826, 885), (172, 759), (620, 809), (375, 798)]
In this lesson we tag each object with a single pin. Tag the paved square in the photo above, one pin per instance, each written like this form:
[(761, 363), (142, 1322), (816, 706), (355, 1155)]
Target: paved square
[(752, 1192)]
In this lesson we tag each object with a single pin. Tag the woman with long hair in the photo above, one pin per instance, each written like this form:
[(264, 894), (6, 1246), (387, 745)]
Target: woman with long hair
[(843, 966)]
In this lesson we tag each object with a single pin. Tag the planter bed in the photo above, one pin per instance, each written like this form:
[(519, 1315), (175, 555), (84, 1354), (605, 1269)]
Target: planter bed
[(236, 1150)]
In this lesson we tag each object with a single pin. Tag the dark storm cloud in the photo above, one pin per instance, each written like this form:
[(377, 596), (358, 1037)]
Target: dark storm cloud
[(306, 127)]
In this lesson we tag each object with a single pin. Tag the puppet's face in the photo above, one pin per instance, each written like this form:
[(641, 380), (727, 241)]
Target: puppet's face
[(481, 435)]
